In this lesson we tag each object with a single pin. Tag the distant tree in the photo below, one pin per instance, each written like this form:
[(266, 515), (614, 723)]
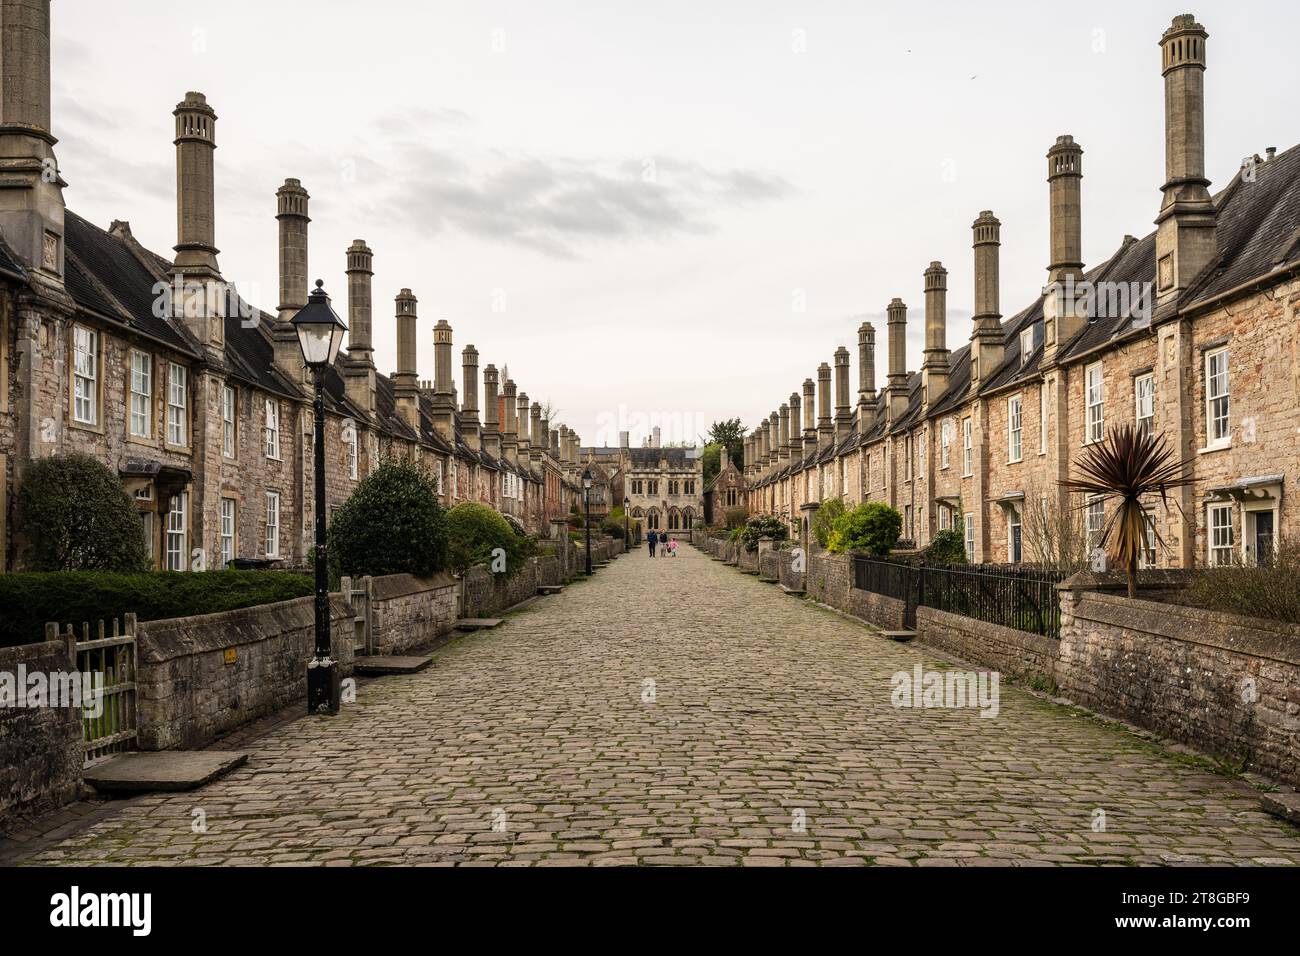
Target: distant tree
[(712, 459), (732, 434)]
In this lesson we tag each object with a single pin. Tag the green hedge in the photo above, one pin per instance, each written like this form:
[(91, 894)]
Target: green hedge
[(27, 601)]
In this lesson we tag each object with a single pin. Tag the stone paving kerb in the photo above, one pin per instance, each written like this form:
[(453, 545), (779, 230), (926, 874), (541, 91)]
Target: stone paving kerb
[(675, 712)]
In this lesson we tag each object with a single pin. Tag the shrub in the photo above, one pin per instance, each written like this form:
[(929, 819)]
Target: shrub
[(475, 532), (947, 547), (763, 526), (613, 524), (736, 518), (823, 524), (28, 601), (392, 524), (872, 527), (78, 517), (1270, 589)]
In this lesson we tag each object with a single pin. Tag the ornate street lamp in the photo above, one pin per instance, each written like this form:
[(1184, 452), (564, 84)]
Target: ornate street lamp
[(586, 501), (320, 333), (627, 523)]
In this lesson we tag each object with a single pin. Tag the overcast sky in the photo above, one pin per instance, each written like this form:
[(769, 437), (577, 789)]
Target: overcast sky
[(669, 210)]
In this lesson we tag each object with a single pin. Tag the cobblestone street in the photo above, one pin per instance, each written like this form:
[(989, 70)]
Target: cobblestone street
[(680, 712)]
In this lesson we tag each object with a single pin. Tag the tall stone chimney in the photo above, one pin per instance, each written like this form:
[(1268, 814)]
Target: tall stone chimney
[(1186, 240), (773, 440), (809, 417), (491, 427), (1064, 315), (31, 190), (195, 271), (469, 427), (444, 388), (825, 424), (934, 368), (783, 438), (406, 388), (866, 377), (540, 434), (796, 444), (657, 440), (525, 442), (291, 204), (986, 333), (896, 323), (359, 370), (509, 429), (843, 409)]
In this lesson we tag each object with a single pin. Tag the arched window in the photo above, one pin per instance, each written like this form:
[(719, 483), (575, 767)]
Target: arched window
[(638, 513), (674, 520), (688, 519), (652, 519)]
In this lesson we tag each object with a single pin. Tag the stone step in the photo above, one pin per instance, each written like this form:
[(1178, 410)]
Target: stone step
[(391, 664), (901, 636), (550, 588), (797, 592), (140, 772), (477, 623)]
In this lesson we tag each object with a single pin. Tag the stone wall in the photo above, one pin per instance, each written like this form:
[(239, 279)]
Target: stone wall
[(191, 690), (407, 612), (786, 574), (40, 747), (886, 613), (1222, 683), (829, 578), (1018, 654)]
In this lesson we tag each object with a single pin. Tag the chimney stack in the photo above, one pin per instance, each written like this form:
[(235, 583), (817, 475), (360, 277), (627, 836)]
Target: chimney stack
[(783, 437), (624, 439), (866, 377), (796, 445), (658, 437), (825, 426), (31, 201), (525, 443), (291, 205), (509, 428), (1186, 240), (405, 386), (444, 389), (359, 371), (773, 440), (843, 410), (491, 427), (540, 434), (1064, 314), (934, 368), (469, 427), (809, 417), (896, 322), (986, 335), (195, 271)]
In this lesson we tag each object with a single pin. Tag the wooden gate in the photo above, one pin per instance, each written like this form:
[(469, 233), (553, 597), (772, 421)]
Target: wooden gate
[(107, 662)]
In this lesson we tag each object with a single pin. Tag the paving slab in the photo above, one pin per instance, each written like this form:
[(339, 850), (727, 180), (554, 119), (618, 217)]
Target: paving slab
[(139, 772), (391, 664), (478, 623)]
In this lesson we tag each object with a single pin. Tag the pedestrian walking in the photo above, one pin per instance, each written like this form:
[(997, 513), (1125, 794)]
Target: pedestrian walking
[(672, 546), (653, 539)]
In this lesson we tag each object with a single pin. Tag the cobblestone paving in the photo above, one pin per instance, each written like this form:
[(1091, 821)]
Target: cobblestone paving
[(767, 738)]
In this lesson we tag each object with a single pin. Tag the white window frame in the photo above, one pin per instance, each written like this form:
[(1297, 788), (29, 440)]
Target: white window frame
[(273, 524), (1015, 428), (921, 449), (968, 535), (1148, 556), (177, 545), (1095, 521), (1015, 521), (1042, 418), (229, 518), (967, 447), (1220, 537), (1094, 394), (1218, 424), (353, 456), (229, 421), (438, 476), (945, 517), (140, 412), (1026, 345), (271, 432), (85, 375), (1144, 401), (178, 405), (945, 442)]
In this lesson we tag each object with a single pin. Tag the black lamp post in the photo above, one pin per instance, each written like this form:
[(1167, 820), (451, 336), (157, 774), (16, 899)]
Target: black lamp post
[(320, 333), (586, 502), (627, 522)]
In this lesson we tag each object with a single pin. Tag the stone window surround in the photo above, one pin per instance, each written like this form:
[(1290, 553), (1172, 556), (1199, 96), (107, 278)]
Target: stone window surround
[(1016, 434), (148, 435), (1091, 434), (186, 420), (98, 424), (1209, 352), (221, 530), (231, 389), (271, 547)]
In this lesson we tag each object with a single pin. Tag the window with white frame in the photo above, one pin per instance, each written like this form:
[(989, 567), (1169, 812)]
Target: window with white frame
[(437, 476), (1026, 345), (921, 451), (271, 432), (1015, 420), (1015, 538), (945, 517), (178, 534), (907, 457), (1144, 401), (229, 406), (352, 456), (1095, 399), (907, 522), (227, 531), (1222, 534), (141, 394), (85, 375), (374, 454), (178, 422), (1147, 556), (1218, 431), (945, 440), (1042, 418), (968, 530), (1096, 521), (272, 524), (967, 447)]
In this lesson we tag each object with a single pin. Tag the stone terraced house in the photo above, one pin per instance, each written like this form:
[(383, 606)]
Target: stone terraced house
[(199, 401), (1192, 331)]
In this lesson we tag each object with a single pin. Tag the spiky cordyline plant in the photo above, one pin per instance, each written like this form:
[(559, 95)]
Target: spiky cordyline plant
[(1130, 465)]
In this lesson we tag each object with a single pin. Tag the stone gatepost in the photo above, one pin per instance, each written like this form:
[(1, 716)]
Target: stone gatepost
[(560, 533), (806, 539)]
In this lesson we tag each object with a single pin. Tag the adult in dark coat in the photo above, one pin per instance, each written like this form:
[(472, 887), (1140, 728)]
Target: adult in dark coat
[(653, 538)]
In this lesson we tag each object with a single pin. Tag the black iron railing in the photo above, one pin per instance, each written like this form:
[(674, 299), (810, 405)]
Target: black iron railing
[(1009, 595)]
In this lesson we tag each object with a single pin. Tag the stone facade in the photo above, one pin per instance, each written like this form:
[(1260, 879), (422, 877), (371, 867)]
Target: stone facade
[(1205, 354), (156, 366), (665, 487)]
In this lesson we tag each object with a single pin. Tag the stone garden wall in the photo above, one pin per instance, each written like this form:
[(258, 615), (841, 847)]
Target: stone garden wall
[(1018, 654), (40, 747), (407, 612)]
